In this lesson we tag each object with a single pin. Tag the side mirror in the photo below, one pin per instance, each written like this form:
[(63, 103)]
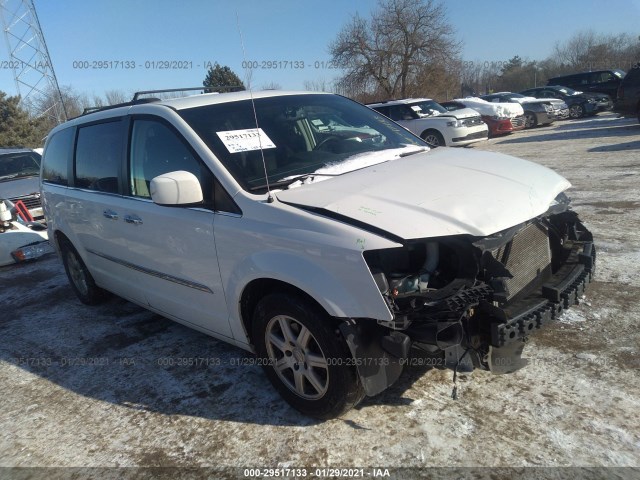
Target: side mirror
[(176, 188)]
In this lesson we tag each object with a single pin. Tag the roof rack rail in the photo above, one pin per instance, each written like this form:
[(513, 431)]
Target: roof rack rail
[(136, 100), (188, 89)]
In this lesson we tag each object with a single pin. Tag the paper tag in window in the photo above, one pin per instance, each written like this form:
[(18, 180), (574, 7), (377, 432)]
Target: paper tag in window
[(245, 140)]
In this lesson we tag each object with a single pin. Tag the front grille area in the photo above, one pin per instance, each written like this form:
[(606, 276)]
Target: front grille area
[(31, 201), (518, 121), (473, 121), (471, 136), (527, 257)]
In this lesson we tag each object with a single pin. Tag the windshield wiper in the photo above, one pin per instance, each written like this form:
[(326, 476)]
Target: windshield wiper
[(289, 181)]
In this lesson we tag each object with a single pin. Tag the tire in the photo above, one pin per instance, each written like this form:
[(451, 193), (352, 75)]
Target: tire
[(79, 277), (433, 138), (530, 120), (576, 111), (289, 333)]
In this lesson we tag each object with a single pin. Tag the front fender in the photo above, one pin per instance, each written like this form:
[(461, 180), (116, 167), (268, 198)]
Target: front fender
[(341, 284)]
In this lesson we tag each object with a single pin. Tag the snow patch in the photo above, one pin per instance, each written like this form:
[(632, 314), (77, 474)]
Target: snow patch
[(509, 110)]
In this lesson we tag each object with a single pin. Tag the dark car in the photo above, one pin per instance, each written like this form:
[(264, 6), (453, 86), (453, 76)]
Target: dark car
[(600, 81), (628, 102), (19, 178), (537, 111), (580, 104)]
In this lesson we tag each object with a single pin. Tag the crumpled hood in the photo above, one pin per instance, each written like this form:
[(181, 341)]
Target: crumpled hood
[(437, 193)]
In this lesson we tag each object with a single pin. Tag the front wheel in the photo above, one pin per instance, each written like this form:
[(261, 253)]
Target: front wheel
[(305, 357), (433, 138), (530, 120), (576, 111)]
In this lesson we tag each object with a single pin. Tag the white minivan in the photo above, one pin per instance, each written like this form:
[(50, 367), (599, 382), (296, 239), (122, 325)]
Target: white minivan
[(314, 232)]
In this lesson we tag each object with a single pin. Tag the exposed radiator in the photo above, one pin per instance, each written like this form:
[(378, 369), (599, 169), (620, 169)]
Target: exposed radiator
[(527, 256)]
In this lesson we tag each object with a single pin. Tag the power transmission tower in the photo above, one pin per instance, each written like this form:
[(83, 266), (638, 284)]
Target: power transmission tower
[(29, 58)]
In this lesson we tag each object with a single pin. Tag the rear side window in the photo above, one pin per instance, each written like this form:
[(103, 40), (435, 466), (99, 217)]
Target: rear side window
[(56, 158), (602, 77), (98, 156)]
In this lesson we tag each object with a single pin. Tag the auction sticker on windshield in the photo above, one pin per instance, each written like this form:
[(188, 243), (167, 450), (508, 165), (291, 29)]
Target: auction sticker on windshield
[(245, 140)]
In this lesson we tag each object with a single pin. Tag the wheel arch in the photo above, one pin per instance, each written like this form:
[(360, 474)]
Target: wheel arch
[(437, 132), (59, 237), (258, 289)]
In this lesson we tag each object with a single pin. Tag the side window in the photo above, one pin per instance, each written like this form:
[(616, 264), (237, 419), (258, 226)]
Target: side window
[(98, 157), (383, 110), (157, 149), (603, 77), (222, 201), (56, 158), (582, 80), (401, 112)]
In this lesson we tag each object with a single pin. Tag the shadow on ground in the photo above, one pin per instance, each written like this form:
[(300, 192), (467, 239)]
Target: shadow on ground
[(123, 354)]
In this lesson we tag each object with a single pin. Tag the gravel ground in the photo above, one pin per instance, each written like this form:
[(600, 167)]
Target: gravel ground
[(114, 386)]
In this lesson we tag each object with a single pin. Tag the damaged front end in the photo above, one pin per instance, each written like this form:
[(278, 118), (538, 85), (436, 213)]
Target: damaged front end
[(471, 302)]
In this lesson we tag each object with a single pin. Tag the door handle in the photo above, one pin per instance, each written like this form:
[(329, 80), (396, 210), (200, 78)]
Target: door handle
[(134, 219), (110, 214)]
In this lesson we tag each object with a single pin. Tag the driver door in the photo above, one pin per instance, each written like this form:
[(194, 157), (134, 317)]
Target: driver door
[(172, 248)]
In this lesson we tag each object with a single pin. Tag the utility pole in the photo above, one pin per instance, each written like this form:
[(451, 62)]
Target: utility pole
[(29, 59)]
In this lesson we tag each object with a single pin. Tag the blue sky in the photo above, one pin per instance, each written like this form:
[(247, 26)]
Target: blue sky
[(200, 32)]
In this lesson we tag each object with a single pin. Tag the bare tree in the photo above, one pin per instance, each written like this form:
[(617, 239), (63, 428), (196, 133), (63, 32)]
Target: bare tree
[(114, 97), (588, 50), (319, 85), (271, 86), (389, 52)]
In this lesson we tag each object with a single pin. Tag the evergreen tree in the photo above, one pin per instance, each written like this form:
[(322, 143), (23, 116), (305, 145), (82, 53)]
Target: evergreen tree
[(17, 128), (220, 76)]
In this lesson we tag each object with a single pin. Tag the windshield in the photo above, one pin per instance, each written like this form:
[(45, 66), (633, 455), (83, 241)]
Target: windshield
[(428, 108), (19, 164), (299, 134)]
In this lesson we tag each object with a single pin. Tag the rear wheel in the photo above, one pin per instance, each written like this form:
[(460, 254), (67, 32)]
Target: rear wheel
[(79, 277), (433, 138), (530, 120), (305, 357)]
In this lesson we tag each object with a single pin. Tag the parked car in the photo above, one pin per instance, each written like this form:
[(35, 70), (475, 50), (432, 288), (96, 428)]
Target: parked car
[(628, 102), (580, 104), (599, 81), (22, 236), (328, 255), (501, 118), (19, 173), (537, 111), (433, 123)]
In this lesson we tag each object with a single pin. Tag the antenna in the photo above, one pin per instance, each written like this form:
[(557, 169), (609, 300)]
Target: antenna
[(255, 115)]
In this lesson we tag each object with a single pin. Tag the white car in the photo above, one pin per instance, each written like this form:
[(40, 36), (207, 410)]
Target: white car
[(330, 255), (433, 123)]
